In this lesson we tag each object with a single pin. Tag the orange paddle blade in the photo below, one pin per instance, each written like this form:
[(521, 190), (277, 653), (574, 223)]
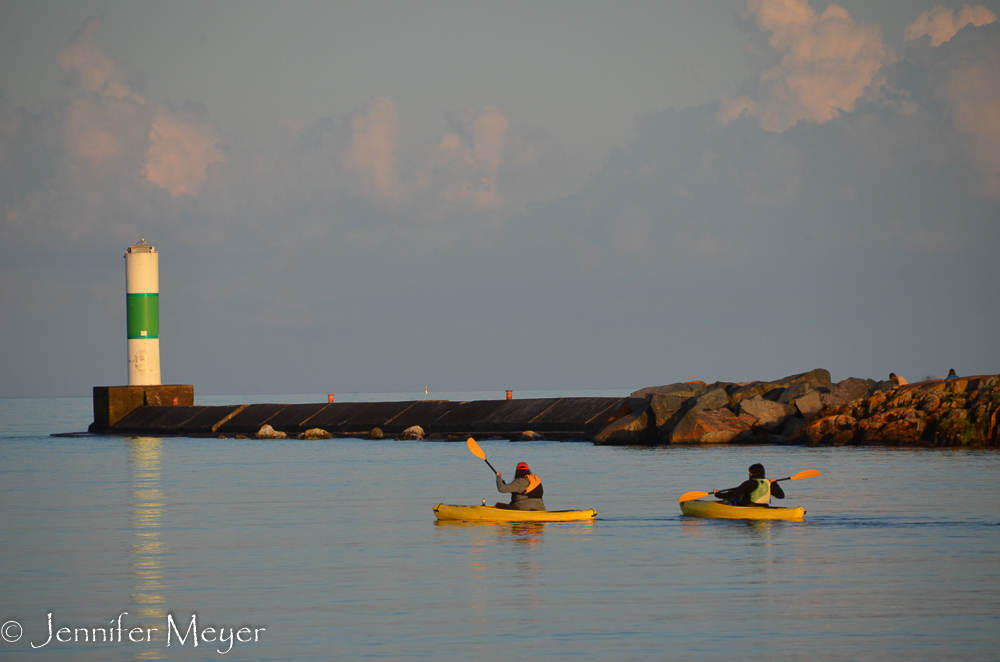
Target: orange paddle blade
[(691, 496), (808, 473), (475, 449)]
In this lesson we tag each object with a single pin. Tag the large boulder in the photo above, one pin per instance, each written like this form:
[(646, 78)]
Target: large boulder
[(412, 433), (809, 405), (792, 425), (632, 428), (267, 432), (317, 433), (829, 401), (955, 429), (895, 427), (744, 391), (725, 386), (851, 389), (794, 391), (699, 426), (768, 415), (666, 404), (827, 431), (687, 389), (670, 409), (818, 378), (636, 405), (712, 400), (664, 407)]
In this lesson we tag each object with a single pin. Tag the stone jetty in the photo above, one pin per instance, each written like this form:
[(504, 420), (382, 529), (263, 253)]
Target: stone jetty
[(807, 409), (801, 409)]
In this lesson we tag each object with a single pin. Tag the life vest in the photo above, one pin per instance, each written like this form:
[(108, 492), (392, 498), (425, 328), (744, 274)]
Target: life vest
[(534, 489), (762, 493)]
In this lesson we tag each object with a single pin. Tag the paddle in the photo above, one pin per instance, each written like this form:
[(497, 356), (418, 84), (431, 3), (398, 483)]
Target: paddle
[(808, 473), (478, 452)]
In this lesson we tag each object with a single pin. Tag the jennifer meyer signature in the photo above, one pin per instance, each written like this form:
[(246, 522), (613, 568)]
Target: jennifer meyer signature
[(116, 632)]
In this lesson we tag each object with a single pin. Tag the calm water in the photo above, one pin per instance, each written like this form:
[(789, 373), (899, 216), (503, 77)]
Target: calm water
[(331, 547)]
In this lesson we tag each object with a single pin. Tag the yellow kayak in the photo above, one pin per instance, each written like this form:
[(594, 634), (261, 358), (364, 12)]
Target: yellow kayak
[(494, 514), (721, 510)]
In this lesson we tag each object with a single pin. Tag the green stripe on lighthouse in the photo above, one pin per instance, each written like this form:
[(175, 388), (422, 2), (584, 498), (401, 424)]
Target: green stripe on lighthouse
[(143, 315)]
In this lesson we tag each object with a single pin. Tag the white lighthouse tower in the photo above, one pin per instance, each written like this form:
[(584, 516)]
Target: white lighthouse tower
[(142, 295)]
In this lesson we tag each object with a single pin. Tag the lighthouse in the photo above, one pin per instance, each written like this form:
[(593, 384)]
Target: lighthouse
[(142, 297), (113, 404)]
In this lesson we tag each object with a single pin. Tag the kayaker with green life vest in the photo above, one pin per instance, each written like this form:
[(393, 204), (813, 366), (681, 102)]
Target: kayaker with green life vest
[(525, 490), (757, 491)]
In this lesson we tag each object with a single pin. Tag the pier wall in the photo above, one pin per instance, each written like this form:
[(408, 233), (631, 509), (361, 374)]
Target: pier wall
[(113, 403), (555, 418)]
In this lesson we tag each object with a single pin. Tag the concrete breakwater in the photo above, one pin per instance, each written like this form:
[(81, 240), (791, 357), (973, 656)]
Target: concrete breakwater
[(807, 409), (536, 418), (801, 409)]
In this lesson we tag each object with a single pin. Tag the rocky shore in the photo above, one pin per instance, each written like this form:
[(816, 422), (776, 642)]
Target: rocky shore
[(808, 409)]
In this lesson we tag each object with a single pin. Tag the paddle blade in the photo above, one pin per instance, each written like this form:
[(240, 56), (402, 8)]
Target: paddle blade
[(475, 449), (808, 473), (691, 496)]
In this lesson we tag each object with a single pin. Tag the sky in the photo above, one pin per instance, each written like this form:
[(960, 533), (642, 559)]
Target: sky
[(380, 196)]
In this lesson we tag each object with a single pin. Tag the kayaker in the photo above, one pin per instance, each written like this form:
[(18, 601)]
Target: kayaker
[(756, 491), (525, 490)]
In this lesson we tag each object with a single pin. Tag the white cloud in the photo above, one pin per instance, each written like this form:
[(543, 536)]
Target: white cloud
[(968, 82), (105, 119), (473, 158), (181, 149), (87, 66), (91, 166), (460, 172), (825, 63), (374, 150), (941, 23)]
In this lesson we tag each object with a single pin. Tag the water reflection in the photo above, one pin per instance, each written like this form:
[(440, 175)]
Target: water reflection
[(494, 545), (145, 455)]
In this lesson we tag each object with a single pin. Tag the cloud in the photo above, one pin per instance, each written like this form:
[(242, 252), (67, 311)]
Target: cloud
[(105, 160), (374, 150), (180, 151), (460, 172), (91, 165), (941, 23), (103, 121), (966, 79), (88, 67), (467, 162), (822, 64), (100, 126)]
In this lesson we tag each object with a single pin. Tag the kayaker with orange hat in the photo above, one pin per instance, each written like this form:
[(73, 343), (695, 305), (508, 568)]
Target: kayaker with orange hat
[(525, 490)]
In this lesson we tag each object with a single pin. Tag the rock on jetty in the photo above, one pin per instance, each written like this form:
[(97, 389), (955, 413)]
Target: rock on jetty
[(807, 409)]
